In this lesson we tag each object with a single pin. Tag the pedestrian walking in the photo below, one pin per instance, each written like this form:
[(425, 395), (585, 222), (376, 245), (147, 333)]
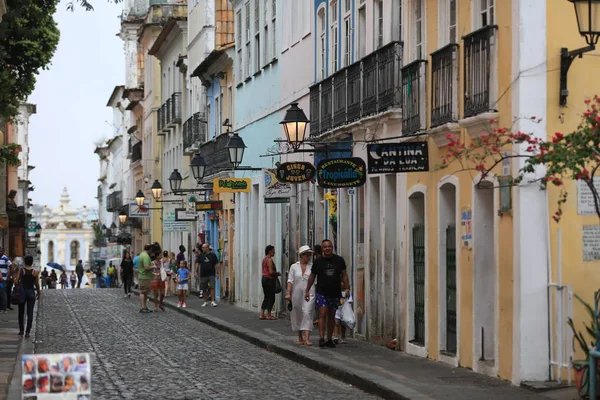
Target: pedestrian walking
[(145, 277), (330, 272), (173, 266), (7, 281), (63, 280), (166, 264), (183, 276), (79, 272), (45, 278), (52, 280), (73, 279), (29, 279), (127, 272), (269, 284), (302, 311), (158, 283), (135, 270), (208, 269), (181, 254)]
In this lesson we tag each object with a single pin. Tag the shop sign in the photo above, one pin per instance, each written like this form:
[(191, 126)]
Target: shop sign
[(295, 172), (466, 227), (341, 172), (275, 191), (209, 205), (232, 185), (182, 214), (136, 211), (386, 158)]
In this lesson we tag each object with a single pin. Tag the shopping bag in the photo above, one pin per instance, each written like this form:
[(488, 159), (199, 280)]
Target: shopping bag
[(163, 274), (348, 317)]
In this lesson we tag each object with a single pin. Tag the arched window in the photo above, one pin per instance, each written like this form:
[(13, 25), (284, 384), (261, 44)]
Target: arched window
[(51, 251), (74, 252)]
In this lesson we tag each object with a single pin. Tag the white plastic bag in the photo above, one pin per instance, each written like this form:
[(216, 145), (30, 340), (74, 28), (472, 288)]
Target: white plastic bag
[(347, 315), (163, 274)]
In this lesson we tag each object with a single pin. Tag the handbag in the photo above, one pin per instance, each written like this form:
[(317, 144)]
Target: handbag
[(18, 293), (278, 288)]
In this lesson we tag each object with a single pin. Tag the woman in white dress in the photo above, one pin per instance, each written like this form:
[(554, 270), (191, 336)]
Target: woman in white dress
[(302, 311)]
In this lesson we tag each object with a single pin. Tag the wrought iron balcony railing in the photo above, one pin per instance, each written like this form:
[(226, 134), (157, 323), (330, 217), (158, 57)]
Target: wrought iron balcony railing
[(478, 70), (444, 85), (169, 113), (414, 110), (136, 152), (371, 85), (176, 108), (114, 201), (195, 133)]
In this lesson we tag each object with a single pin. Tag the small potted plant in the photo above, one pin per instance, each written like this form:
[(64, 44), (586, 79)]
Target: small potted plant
[(582, 366)]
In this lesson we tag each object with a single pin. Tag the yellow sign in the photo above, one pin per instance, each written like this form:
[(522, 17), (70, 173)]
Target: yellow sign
[(232, 185)]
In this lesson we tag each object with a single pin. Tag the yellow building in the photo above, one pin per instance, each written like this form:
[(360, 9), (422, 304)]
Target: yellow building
[(475, 271)]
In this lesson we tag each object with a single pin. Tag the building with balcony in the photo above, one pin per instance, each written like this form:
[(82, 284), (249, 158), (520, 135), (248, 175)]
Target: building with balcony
[(170, 48), (209, 135)]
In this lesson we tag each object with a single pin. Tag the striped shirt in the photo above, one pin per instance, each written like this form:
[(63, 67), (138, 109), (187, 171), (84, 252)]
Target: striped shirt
[(5, 266)]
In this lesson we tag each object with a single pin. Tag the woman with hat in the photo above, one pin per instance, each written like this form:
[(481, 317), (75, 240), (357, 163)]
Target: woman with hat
[(302, 311)]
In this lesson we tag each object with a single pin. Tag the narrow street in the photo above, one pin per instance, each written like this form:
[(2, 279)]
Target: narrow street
[(166, 355)]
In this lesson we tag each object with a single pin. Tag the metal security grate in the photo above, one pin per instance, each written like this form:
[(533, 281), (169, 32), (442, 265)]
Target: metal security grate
[(419, 283), (451, 338)]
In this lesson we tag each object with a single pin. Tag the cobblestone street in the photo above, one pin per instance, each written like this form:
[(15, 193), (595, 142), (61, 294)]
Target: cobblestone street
[(166, 355)]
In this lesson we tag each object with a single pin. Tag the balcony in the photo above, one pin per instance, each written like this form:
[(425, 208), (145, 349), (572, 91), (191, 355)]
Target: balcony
[(367, 87), (414, 111), (114, 201), (99, 194), (444, 85), (478, 70), (169, 114), (136, 152), (195, 131)]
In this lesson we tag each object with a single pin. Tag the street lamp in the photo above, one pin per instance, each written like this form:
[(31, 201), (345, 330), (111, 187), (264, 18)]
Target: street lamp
[(156, 190), (122, 216), (236, 148), (294, 123), (139, 198), (175, 181), (197, 165), (103, 229), (588, 23), (588, 19)]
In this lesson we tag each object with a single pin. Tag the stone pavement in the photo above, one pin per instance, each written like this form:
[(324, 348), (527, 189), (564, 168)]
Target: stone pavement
[(167, 355), (374, 369), (12, 347)]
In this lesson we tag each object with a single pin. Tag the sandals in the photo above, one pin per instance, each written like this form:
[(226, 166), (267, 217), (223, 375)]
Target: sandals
[(162, 307), (262, 317), (271, 318)]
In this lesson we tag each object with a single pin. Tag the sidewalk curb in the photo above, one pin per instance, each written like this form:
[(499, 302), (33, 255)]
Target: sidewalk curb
[(365, 381)]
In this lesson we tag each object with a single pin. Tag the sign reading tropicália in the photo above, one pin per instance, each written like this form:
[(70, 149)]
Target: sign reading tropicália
[(386, 158), (232, 185), (341, 172), (295, 172)]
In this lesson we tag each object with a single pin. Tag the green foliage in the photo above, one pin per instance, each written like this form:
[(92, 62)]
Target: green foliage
[(87, 6), (9, 153), (333, 219), (589, 329), (28, 39), (574, 156)]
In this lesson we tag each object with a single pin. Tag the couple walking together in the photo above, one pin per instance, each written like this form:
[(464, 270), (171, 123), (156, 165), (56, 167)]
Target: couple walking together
[(329, 270)]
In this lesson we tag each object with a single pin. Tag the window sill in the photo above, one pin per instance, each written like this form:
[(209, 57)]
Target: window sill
[(257, 73), (274, 61), (295, 43), (247, 79), (307, 34), (285, 50), (239, 85)]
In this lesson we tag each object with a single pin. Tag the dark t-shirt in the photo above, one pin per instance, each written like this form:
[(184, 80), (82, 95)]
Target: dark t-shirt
[(329, 275), (127, 267), (207, 264)]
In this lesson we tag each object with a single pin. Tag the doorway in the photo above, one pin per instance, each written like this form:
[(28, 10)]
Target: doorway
[(484, 260), (447, 269), (417, 270)]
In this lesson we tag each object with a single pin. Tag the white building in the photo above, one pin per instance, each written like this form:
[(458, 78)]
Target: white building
[(66, 235)]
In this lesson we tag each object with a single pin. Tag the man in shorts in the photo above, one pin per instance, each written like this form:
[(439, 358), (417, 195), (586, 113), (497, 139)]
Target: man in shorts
[(208, 262), (330, 272), (145, 269)]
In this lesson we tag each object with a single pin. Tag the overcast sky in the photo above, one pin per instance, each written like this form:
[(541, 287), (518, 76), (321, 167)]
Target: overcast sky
[(71, 102)]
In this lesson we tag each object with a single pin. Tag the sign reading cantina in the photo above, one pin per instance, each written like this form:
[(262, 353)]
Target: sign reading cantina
[(398, 157), (295, 172), (341, 172)]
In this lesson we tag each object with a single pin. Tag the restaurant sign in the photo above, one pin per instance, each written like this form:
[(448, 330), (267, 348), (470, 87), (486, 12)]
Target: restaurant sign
[(295, 172), (231, 185), (384, 158), (209, 205), (341, 172)]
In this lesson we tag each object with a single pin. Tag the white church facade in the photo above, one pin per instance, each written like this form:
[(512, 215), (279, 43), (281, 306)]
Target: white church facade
[(67, 234)]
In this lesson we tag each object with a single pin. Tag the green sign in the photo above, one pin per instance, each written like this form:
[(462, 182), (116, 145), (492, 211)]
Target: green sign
[(31, 225)]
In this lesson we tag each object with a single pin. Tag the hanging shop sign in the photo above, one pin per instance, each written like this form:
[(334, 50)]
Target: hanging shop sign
[(136, 211), (183, 214), (384, 158), (295, 172), (341, 172), (466, 227), (275, 191), (232, 185), (209, 205)]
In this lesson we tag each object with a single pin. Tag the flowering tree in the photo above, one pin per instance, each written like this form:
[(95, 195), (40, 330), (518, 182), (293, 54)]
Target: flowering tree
[(574, 156)]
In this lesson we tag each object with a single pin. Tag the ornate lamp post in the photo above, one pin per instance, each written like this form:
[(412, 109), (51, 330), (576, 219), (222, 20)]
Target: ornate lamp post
[(294, 123)]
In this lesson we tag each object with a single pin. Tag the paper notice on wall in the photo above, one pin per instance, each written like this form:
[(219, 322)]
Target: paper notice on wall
[(56, 376), (591, 242), (585, 197)]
